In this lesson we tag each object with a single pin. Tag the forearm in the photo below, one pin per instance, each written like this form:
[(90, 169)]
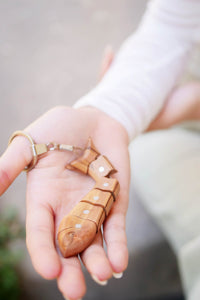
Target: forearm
[(148, 65)]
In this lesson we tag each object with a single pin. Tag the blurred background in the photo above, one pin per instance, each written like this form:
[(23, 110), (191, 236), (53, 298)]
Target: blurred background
[(50, 53)]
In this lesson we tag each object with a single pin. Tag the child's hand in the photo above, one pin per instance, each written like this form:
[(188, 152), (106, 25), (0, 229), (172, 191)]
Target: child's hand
[(183, 104), (52, 191)]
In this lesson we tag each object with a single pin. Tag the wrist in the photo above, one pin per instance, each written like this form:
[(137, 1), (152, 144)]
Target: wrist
[(102, 121)]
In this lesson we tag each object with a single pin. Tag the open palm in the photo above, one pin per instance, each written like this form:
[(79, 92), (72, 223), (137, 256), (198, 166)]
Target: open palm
[(52, 191)]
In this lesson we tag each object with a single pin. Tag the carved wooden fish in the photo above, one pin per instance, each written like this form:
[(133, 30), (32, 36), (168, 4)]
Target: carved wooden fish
[(78, 229)]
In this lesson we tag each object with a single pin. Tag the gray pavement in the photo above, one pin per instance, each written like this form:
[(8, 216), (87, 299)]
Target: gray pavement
[(50, 53)]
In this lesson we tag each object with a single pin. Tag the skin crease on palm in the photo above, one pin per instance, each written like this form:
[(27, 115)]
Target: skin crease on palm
[(52, 190)]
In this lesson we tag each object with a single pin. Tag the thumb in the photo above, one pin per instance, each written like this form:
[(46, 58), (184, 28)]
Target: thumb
[(107, 60), (17, 156)]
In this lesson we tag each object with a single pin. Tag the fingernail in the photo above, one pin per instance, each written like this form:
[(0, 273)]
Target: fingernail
[(69, 299), (101, 282), (118, 275)]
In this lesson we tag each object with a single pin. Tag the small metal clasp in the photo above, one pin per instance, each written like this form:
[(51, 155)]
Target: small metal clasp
[(52, 146)]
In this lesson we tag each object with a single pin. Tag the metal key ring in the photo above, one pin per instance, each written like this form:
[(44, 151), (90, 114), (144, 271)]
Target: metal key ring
[(35, 156)]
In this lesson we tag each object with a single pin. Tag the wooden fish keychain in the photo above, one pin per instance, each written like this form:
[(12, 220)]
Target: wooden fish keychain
[(78, 229)]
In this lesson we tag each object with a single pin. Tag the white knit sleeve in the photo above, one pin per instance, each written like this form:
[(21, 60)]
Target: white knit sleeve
[(148, 64)]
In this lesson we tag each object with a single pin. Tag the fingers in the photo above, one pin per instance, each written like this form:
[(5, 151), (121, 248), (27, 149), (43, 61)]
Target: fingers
[(181, 105), (115, 238), (40, 240), (107, 60), (13, 161), (71, 281), (96, 261)]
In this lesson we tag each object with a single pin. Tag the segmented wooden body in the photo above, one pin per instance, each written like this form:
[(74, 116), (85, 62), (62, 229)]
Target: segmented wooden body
[(78, 229)]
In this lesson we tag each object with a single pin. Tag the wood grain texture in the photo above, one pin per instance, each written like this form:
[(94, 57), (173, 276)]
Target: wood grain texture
[(89, 212), (109, 185), (78, 229), (73, 240), (99, 198), (100, 167)]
